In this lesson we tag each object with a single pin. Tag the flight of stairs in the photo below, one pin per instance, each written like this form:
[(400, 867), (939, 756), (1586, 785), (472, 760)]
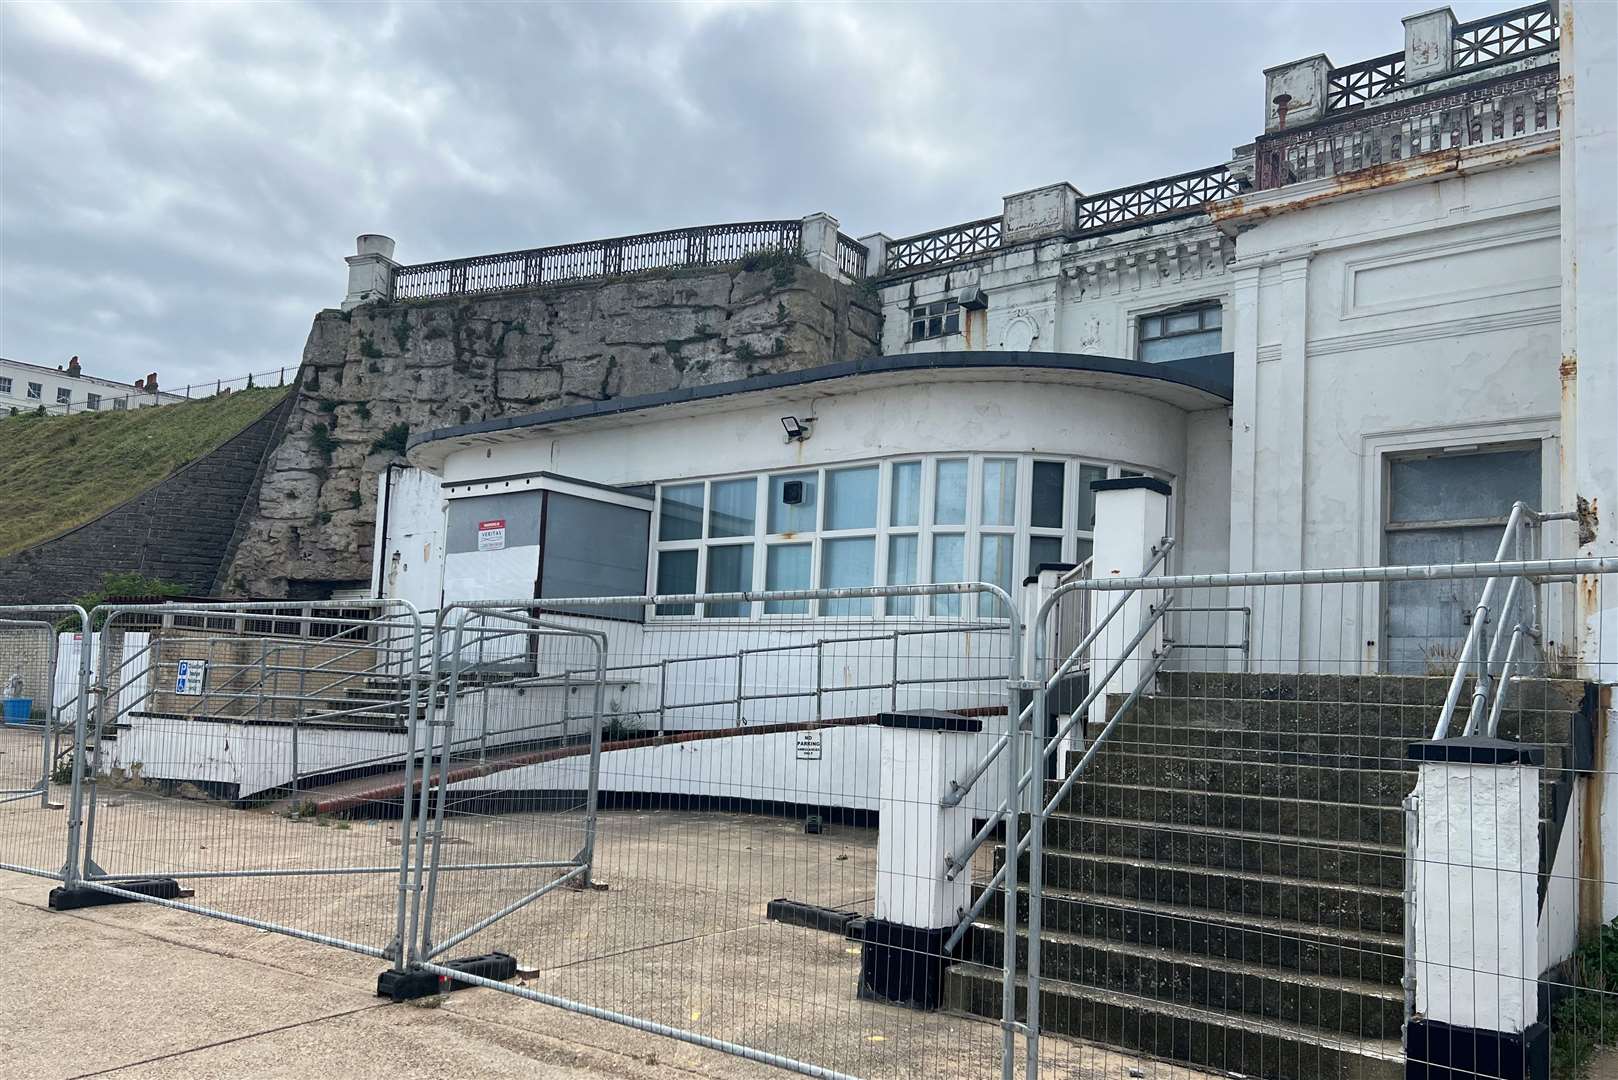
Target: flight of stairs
[(1224, 887)]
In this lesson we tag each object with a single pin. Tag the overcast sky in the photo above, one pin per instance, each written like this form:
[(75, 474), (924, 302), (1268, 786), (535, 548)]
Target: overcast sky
[(179, 183)]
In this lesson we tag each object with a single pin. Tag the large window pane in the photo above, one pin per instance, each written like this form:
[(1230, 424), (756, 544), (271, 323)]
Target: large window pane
[(1201, 343), (906, 495), (949, 500), (1088, 474), (1043, 549), (994, 566), (999, 492), (1457, 487), (848, 564), (851, 498), (730, 569), (676, 576), (792, 503), (902, 571), (681, 517), (735, 503), (949, 564), (786, 566), (1049, 479)]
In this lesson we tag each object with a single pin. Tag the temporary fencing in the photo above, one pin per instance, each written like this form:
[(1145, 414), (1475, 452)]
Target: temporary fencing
[(1291, 825), (39, 811), (210, 721), (663, 810)]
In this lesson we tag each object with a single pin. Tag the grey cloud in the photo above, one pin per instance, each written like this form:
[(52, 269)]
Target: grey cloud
[(179, 183)]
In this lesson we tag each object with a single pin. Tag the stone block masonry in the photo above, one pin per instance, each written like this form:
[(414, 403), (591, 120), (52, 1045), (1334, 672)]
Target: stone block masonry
[(376, 374), (178, 531)]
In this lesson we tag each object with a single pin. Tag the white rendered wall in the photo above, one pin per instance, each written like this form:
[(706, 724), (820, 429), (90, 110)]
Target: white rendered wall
[(1392, 320), (409, 562), (764, 767), (925, 414)]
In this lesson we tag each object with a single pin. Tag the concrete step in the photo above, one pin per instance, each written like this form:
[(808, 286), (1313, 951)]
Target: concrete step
[(1294, 818), (1204, 1038), (1343, 1006), (1338, 750), (1379, 865), (1122, 764), (1331, 717), (1215, 936), (1321, 904), (1532, 694)]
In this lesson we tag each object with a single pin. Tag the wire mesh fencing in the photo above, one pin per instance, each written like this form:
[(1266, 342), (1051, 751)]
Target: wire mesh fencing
[(1271, 845), (718, 886), (251, 762), (43, 710)]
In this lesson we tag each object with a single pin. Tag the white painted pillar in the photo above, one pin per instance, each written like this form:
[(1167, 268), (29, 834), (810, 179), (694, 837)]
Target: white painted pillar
[(1429, 44), (370, 270), (1476, 940), (916, 908), (1295, 93), (1132, 517), (820, 243), (1588, 104), (876, 247)]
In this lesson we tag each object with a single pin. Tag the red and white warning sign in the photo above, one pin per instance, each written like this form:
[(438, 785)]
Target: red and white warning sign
[(492, 535)]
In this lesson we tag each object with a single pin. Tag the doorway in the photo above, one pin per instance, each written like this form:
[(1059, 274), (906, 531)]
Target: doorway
[(1445, 506)]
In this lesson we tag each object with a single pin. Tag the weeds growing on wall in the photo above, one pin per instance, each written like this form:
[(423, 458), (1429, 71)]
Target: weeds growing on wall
[(125, 584), (394, 440), (1586, 1022)]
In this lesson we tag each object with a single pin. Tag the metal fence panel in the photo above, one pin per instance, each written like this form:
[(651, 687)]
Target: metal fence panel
[(251, 762), (41, 727), (1253, 857), (735, 854)]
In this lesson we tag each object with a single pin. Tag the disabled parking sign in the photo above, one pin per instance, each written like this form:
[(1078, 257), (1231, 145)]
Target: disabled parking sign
[(188, 675)]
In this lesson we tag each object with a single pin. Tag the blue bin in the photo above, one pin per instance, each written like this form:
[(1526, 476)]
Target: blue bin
[(18, 709)]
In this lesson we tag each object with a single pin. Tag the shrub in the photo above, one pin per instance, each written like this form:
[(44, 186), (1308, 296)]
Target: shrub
[(321, 441), (394, 440)]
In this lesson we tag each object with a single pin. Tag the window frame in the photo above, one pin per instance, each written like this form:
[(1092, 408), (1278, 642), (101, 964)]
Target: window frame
[(1075, 541), (5, 384), (948, 308), (92, 402), (64, 395), (1199, 307), (36, 391)]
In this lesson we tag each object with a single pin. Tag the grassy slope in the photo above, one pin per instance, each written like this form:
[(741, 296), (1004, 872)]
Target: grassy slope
[(60, 471)]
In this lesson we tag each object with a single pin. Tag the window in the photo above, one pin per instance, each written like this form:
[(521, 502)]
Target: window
[(935, 320), (1174, 335), (34, 391), (120, 404), (960, 517), (92, 401), (5, 384), (64, 395)]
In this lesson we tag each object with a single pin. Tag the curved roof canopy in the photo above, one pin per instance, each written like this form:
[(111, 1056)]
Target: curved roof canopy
[(1202, 382)]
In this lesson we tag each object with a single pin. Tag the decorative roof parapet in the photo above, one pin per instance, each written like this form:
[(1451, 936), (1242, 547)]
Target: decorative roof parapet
[(1471, 114)]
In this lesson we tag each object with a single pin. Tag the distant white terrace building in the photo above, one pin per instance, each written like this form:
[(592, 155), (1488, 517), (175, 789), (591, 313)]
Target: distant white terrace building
[(27, 387)]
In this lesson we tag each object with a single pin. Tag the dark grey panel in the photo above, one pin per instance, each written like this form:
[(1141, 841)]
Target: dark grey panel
[(520, 509), (594, 549)]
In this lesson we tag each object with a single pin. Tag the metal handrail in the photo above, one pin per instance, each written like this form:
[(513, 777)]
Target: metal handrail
[(957, 860), (958, 789), (1473, 659)]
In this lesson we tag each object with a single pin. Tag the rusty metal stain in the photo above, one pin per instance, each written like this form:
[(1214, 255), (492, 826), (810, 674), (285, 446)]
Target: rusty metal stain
[(1589, 519), (1427, 166), (1591, 863)]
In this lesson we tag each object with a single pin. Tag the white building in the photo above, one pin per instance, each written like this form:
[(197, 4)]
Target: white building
[(62, 390), (1362, 310)]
